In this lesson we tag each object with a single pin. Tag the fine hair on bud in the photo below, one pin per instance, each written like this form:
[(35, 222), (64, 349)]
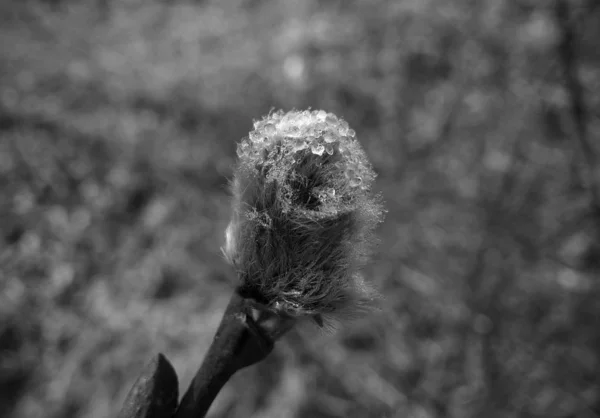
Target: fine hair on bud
[(303, 216)]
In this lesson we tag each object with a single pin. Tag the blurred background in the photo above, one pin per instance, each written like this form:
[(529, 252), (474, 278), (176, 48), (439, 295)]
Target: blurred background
[(118, 126)]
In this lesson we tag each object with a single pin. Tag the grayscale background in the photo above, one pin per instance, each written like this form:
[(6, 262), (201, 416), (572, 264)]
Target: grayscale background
[(118, 126)]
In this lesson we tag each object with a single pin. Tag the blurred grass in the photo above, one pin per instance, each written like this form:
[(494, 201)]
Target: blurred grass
[(118, 123)]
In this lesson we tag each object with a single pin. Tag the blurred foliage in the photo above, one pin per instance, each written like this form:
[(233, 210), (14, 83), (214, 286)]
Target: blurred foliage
[(118, 123)]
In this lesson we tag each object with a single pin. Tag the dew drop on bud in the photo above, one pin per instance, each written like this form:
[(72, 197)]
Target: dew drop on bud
[(329, 149), (299, 145), (351, 134), (294, 131), (243, 149), (344, 152), (329, 137), (343, 127), (331, 119), (317, 149), (320, 126), (287, 118), (355, 181), (269, 129), (321, 115)]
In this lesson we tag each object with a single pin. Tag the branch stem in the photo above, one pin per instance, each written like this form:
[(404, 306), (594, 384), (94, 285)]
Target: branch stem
[(236, 345)]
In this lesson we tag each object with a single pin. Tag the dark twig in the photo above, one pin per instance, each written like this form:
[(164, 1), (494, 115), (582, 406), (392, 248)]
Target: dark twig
[(155, 393), (246, 336), (241, 341)]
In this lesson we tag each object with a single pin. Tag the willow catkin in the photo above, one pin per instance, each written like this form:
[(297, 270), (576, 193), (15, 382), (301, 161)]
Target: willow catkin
[(303, 215)]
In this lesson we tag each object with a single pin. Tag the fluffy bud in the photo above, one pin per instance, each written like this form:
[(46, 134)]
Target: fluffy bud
[(303, 215)]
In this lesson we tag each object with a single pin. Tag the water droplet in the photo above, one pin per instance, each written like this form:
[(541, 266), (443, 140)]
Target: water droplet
[(343, 127), (320, 126), (351, 133), (331, 119), (317, 148), (254, 135), (257, 138), (355, 181), (299, 145), (287, 118), (243, 149), (293, 131), (269, 129), (329, 137), (321, 115), (329, 149)]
